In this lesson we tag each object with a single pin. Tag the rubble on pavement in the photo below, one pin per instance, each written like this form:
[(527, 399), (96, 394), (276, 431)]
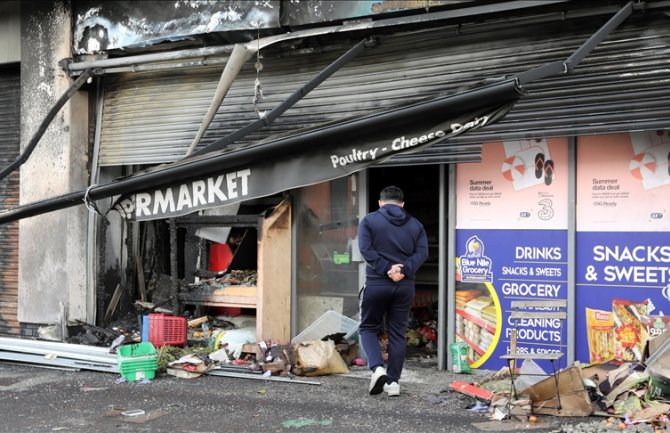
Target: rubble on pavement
[(222, 343), (623, 395)]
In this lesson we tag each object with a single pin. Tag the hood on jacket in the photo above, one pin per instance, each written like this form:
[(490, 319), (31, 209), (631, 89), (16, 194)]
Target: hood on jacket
[(395, 214)]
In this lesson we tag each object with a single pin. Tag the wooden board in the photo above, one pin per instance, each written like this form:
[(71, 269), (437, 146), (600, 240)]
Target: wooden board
[(273, 319), (232, 296)]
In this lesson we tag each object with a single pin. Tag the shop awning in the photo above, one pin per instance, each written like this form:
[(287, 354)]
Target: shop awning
[(313, 156), (308, 157), (304, 158)]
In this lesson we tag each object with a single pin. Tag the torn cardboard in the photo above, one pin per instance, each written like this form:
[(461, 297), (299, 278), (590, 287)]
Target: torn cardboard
[(574, 397)]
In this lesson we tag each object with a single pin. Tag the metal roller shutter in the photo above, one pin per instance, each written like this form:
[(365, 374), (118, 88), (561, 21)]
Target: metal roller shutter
[(622, 85), (9, 198)]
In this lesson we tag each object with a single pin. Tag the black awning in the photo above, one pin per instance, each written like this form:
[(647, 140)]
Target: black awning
[(311, 157)]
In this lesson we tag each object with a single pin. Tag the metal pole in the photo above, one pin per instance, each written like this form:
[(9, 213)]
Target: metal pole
[(130, 61), (571, 62), (599, 36), (91, 228), (451, 262), (45, 124), (237, 59), (279, 110), (572, 232), (261, 377), (441, 271), (174, 272)]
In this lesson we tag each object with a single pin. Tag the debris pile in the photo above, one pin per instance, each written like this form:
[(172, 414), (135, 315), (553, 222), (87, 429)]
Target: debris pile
[(214, 345), (240, 277), (219, 345), (626, 394)]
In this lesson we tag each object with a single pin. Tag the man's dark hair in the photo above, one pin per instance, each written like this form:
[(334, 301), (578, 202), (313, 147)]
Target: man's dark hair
[(392, 193)]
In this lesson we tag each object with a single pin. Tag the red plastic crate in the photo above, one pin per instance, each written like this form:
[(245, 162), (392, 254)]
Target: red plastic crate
[(167, 330)]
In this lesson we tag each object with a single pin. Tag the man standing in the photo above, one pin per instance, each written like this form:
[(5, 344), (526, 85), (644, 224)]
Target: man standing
[(394, 246)]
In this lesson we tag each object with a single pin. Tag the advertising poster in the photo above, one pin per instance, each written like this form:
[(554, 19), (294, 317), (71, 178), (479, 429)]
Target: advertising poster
[(519, 184), (623, 182), (495, 267), (623, 244), (511, 241)]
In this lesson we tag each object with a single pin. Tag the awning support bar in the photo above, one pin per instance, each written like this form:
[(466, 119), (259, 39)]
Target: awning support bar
[(290, 101), (599, 36), (571, 62), (32, 144)]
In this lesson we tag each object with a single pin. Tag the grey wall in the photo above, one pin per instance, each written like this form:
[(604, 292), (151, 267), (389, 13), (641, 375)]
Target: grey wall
[(52, 247), (10, 33)]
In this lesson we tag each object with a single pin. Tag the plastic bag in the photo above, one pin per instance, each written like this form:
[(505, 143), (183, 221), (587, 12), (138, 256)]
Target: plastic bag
[(459, 356), (529, 374), (319, 358)]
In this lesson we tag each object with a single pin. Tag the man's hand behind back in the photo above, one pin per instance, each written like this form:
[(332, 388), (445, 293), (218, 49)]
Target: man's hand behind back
[(395, 273)]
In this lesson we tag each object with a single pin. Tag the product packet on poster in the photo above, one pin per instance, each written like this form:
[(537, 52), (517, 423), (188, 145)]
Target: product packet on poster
[(630, 334), (600, 335), (655, 325)]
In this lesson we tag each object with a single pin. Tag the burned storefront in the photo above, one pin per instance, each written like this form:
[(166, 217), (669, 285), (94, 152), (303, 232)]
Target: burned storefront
[(283, 138)]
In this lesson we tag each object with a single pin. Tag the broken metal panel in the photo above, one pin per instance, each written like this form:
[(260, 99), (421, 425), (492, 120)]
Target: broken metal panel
[(10, 88), (152, 118), (104, 25), (304, 12), (236, 375), (58, 362), (54, 354)]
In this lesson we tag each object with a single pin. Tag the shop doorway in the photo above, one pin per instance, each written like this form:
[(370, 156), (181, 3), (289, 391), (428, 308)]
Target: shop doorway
[(421, 186)]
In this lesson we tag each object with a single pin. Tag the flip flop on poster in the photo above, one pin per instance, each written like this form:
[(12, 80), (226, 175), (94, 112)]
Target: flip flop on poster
[(548, 172), (539, 165)]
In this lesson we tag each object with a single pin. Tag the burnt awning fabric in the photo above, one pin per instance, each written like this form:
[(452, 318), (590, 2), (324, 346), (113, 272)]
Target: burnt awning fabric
[(317, 155), (305, 158)]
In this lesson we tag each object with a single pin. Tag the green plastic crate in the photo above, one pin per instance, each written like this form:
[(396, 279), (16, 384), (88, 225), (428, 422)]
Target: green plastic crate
[(137, 361)]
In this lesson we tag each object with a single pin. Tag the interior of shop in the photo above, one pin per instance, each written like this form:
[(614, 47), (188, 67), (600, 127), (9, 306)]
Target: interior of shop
[(217, 261)]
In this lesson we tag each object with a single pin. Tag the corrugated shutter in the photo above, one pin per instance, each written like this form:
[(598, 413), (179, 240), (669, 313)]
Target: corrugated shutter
[(621, 86), (9, 198)]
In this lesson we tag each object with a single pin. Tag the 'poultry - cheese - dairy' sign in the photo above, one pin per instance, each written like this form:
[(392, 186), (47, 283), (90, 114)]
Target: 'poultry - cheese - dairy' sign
[(314, 156)]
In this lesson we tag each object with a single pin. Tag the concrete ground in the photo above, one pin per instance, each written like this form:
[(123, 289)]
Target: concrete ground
[(36, 399)]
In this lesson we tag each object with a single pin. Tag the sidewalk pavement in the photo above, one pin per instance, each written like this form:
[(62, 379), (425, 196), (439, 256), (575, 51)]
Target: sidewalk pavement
[(34, 399)]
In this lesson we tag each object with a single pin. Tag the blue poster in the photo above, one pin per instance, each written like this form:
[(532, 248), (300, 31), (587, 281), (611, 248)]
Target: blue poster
[(622, 295), (495, 267)]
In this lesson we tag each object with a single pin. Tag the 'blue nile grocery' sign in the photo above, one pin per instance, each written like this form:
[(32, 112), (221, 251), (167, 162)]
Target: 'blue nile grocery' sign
[(518, 265)]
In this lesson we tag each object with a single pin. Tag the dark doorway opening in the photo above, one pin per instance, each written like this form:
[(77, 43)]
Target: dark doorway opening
[(421, 186)]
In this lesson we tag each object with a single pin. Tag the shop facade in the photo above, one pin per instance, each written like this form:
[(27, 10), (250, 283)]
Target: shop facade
[(561, 199), (568, 206)]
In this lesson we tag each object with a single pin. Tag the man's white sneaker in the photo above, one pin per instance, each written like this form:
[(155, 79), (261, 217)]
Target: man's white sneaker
[(392, 389), (378, 381)]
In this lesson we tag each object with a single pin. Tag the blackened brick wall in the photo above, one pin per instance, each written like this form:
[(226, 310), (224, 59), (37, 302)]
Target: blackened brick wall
[(29, 330)]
